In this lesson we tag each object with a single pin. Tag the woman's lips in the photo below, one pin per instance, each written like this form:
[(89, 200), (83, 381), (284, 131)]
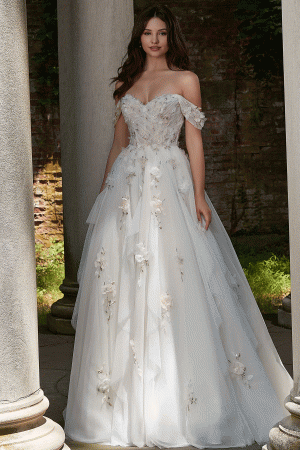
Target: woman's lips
[(154, 48)]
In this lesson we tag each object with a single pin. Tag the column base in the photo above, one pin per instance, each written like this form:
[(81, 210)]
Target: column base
[(285, 313), (23, 426), (285, 435), (59, 320)]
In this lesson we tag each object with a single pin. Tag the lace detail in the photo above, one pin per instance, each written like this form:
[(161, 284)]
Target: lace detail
[(159, 125), (192, 113), (191, 399)]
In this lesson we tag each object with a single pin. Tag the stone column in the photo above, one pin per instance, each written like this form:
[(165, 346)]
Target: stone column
[(22, 402), (92, 39), (286, 434)]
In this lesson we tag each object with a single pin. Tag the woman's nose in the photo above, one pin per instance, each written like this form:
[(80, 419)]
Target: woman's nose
[(155, 38)]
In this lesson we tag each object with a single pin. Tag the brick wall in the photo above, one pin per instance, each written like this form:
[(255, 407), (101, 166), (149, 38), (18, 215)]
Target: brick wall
[(244, 136), (47, 180)]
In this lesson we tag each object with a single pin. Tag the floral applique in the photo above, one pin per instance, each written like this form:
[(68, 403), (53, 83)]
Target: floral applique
[(131, 342), (191, 399), (180, 261), (156, 207), (193, 113), (100, 262), (142, 258), (142, 160), (166, 303), (103, 385), (184, 186), (125, 206), (173, 163), (155, 173), (238, 369), (131, 171), (109, 292), (109, 182)]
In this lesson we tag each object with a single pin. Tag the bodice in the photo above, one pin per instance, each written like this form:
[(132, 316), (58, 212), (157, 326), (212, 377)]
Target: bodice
[(159, 121)]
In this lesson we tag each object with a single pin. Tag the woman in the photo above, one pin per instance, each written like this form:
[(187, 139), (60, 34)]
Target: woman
[(171, 349)]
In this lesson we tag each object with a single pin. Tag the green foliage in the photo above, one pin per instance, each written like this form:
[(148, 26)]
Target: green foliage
[(265, 260), (260, 33), (50, 274), (270, 281), (46, 60)]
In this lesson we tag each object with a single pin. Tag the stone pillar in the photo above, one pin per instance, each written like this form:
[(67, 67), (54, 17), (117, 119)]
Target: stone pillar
[(92, 39), (286, 434), (22, 402)]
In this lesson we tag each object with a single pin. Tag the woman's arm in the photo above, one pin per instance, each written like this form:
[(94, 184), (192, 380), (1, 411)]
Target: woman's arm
[(193, 137), (121, 140)]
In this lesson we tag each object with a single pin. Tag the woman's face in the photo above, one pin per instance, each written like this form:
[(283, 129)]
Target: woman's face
[(154, 39)]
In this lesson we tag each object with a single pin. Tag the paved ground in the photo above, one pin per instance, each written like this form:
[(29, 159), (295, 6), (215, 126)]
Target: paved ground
[(55, 365)]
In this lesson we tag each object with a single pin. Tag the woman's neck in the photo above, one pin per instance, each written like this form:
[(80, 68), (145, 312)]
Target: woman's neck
[(154, 64)]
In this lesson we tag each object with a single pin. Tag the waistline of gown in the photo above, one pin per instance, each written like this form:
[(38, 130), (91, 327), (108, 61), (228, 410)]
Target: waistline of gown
[(152, 148)]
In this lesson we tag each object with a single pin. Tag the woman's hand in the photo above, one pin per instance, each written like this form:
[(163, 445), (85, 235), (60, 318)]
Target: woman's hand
[(203, 208)]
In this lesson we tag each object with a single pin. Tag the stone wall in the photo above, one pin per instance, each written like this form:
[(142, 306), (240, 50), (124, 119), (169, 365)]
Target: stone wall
[(244, 136)]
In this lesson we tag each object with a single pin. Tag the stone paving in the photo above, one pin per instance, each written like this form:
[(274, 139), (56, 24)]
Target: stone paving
[(56, 359)]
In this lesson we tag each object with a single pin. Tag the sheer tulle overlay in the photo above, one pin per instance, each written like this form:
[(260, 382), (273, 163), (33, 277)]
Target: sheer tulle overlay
[(170, 347)]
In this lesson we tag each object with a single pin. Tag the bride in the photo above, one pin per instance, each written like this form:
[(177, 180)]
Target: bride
[(170, 348)]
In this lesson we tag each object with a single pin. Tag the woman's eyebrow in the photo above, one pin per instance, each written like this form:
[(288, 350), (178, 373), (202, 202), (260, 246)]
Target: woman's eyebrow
[(148, 29)]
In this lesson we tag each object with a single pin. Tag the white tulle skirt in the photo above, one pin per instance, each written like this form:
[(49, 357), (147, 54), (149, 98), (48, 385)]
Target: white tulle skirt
[(170, 347)]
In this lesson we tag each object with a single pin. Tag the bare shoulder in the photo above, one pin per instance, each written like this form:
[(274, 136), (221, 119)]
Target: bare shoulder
[(190, 86)]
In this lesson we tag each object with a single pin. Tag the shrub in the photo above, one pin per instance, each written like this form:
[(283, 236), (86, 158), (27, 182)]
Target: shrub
[(49, 274), (270, 281)]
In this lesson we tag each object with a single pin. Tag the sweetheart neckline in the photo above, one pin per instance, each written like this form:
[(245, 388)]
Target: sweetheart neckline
[(154, 98)]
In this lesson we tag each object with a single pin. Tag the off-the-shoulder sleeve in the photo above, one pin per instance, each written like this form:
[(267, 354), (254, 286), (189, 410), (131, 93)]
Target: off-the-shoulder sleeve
[(117, 112), (192, 113)]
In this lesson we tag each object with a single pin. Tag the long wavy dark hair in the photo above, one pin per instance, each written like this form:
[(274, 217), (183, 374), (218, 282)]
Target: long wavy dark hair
[(176, 57)]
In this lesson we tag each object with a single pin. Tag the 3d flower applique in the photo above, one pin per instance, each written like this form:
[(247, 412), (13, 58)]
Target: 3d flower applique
[(131, 171), (142, 258), (173, 163), (103, 385), (166, 302), (194, 112), (108, 292), (157, 207), (184, 186), (155, 173), (125, 207), (238, 369), (142, 160), (139, 370), (109, 182), (100, 262), (180, 262), (191, 399)]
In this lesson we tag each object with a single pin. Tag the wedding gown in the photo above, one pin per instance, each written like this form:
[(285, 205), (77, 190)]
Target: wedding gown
[(170, 348)]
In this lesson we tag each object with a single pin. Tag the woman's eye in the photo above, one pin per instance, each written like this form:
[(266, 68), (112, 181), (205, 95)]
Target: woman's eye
[(163, 33), (146, 33)]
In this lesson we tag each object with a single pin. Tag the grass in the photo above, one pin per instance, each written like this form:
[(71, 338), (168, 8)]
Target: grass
[(264, 258), (50, 273)]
